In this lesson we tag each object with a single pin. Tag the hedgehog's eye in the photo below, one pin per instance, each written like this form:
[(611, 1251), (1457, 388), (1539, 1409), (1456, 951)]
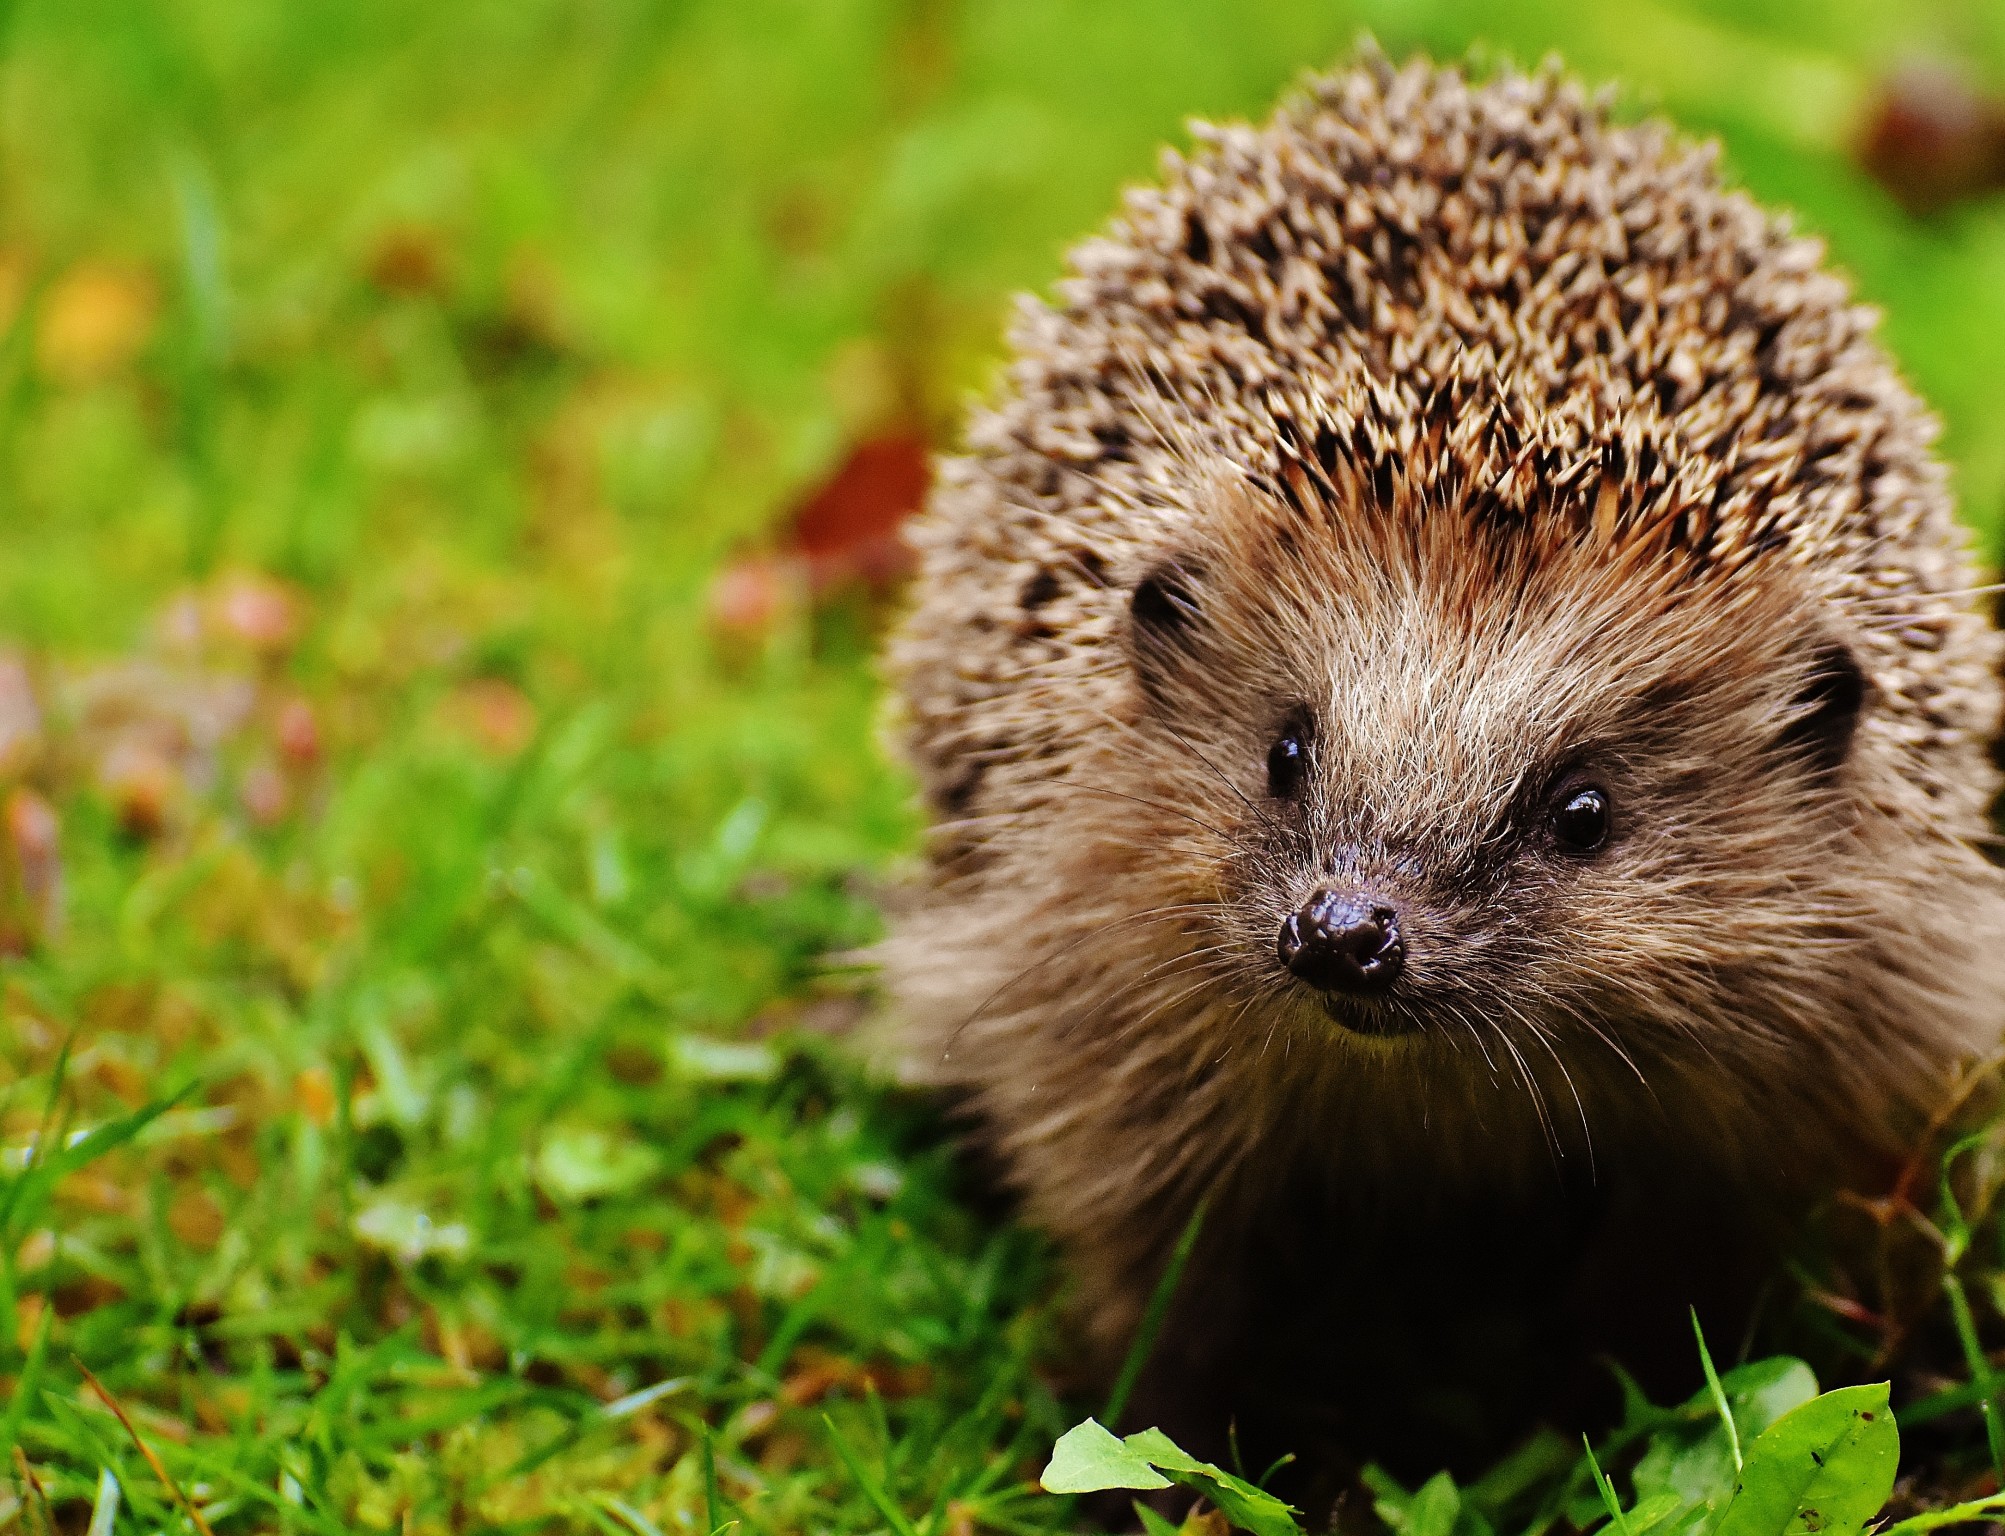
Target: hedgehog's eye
[(1580, 818), (1288, 760)]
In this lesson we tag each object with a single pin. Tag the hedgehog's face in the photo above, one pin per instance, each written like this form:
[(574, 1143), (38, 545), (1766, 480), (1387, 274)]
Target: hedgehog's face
[(1466, 796)]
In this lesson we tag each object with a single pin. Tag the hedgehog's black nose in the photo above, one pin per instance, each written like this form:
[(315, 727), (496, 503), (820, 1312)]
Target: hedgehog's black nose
[(1341, 941)]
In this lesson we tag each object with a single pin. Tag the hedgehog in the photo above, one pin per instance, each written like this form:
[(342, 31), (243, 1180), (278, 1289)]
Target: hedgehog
[(1455, 715)]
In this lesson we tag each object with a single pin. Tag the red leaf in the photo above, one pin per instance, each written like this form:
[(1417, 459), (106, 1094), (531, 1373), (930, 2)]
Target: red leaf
[(1933, 139), (848, 530)]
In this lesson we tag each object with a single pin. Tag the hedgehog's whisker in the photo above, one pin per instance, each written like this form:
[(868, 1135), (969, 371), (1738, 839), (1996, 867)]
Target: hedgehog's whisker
[(1091, 935), (1219, 774), (1154, 805), (1580, 1108), (1167, 967), (1586, 1019), (1536, 1093), (1183, 741)]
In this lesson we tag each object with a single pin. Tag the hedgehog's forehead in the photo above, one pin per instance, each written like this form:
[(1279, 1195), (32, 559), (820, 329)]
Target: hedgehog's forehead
[(1433, 657)]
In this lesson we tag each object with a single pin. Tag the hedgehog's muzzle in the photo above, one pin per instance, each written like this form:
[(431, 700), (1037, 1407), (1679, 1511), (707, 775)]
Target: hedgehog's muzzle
[(1343, 941)]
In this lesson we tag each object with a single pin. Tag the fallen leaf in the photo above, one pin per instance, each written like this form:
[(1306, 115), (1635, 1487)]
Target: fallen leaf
[(194, 1217), (313, 1092), (94, 322), (496, 714), (582, 1163), (20, 716), (256, 612), (749, 597), (35, 843), (142, 783), (27, 1319), (298, 733), (408, 260), (847, 531), (1933, 139), (407, 1233), (264, 793)]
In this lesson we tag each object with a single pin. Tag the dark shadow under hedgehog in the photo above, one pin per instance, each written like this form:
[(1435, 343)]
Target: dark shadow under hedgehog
[(1456, 718)]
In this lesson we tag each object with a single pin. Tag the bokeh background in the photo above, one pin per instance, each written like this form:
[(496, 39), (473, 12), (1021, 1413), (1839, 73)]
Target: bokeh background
[(447, 460)]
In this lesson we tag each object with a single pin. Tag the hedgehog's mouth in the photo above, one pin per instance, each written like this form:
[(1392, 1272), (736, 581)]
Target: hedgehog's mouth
[(1372, 1019)]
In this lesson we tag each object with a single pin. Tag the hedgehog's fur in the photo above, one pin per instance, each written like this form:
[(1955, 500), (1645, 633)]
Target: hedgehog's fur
[(1500, 439)]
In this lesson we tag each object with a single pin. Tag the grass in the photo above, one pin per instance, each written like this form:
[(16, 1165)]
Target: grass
[(427, 1103)]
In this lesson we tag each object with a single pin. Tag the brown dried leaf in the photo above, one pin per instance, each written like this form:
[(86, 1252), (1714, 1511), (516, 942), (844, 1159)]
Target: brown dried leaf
[(20, 717), (847, 531), (94, 322), (257, 612), (1933, 139), (495, 714), (408, 260), (749, 597), (34, 848)]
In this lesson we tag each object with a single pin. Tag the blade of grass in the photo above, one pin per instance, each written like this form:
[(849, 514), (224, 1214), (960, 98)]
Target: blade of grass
[(1955, 1227), (104, 1508), (1606, 1489), (1979, 1364), (873, 1490), (33, 1495), (1717, 1392), (31, 1189), (713, 1496), (38, 1153), (31, 1378), (1955, 1514), (1152, 1318), (632, 1518), (159, 1469)]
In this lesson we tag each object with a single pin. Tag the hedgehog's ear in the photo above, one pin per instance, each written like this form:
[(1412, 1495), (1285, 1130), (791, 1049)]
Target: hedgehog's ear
[(1824, 715), (1164, 614)]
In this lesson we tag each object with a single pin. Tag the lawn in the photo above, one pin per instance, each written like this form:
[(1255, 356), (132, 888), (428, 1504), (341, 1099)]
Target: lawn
[(430, 1096)]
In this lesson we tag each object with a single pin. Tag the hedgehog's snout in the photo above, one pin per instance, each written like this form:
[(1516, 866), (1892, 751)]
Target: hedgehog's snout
[(1343, 940)]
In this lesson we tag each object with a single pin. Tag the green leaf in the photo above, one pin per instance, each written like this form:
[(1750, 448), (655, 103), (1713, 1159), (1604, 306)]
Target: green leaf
[(1389, 1499), (1540, 1459), (1089, 1458), (1154, 1524), (1824, 1469), (1436, 1504), (1250, 1508), (584, 1163), (1652, 1512), (1762, 1391), (1690, 1458)]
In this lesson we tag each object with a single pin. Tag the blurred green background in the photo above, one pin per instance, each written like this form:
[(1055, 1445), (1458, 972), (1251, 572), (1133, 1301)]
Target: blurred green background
[(422, 749)]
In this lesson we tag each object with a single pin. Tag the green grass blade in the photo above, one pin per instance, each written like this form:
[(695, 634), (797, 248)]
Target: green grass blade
[(1160, 1299), (1606, 1489), (873, 1490), (1954, 1514), (1978, 1362), (713, 1495), (104, 1508), (30, 1381), (1719, 1396)]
